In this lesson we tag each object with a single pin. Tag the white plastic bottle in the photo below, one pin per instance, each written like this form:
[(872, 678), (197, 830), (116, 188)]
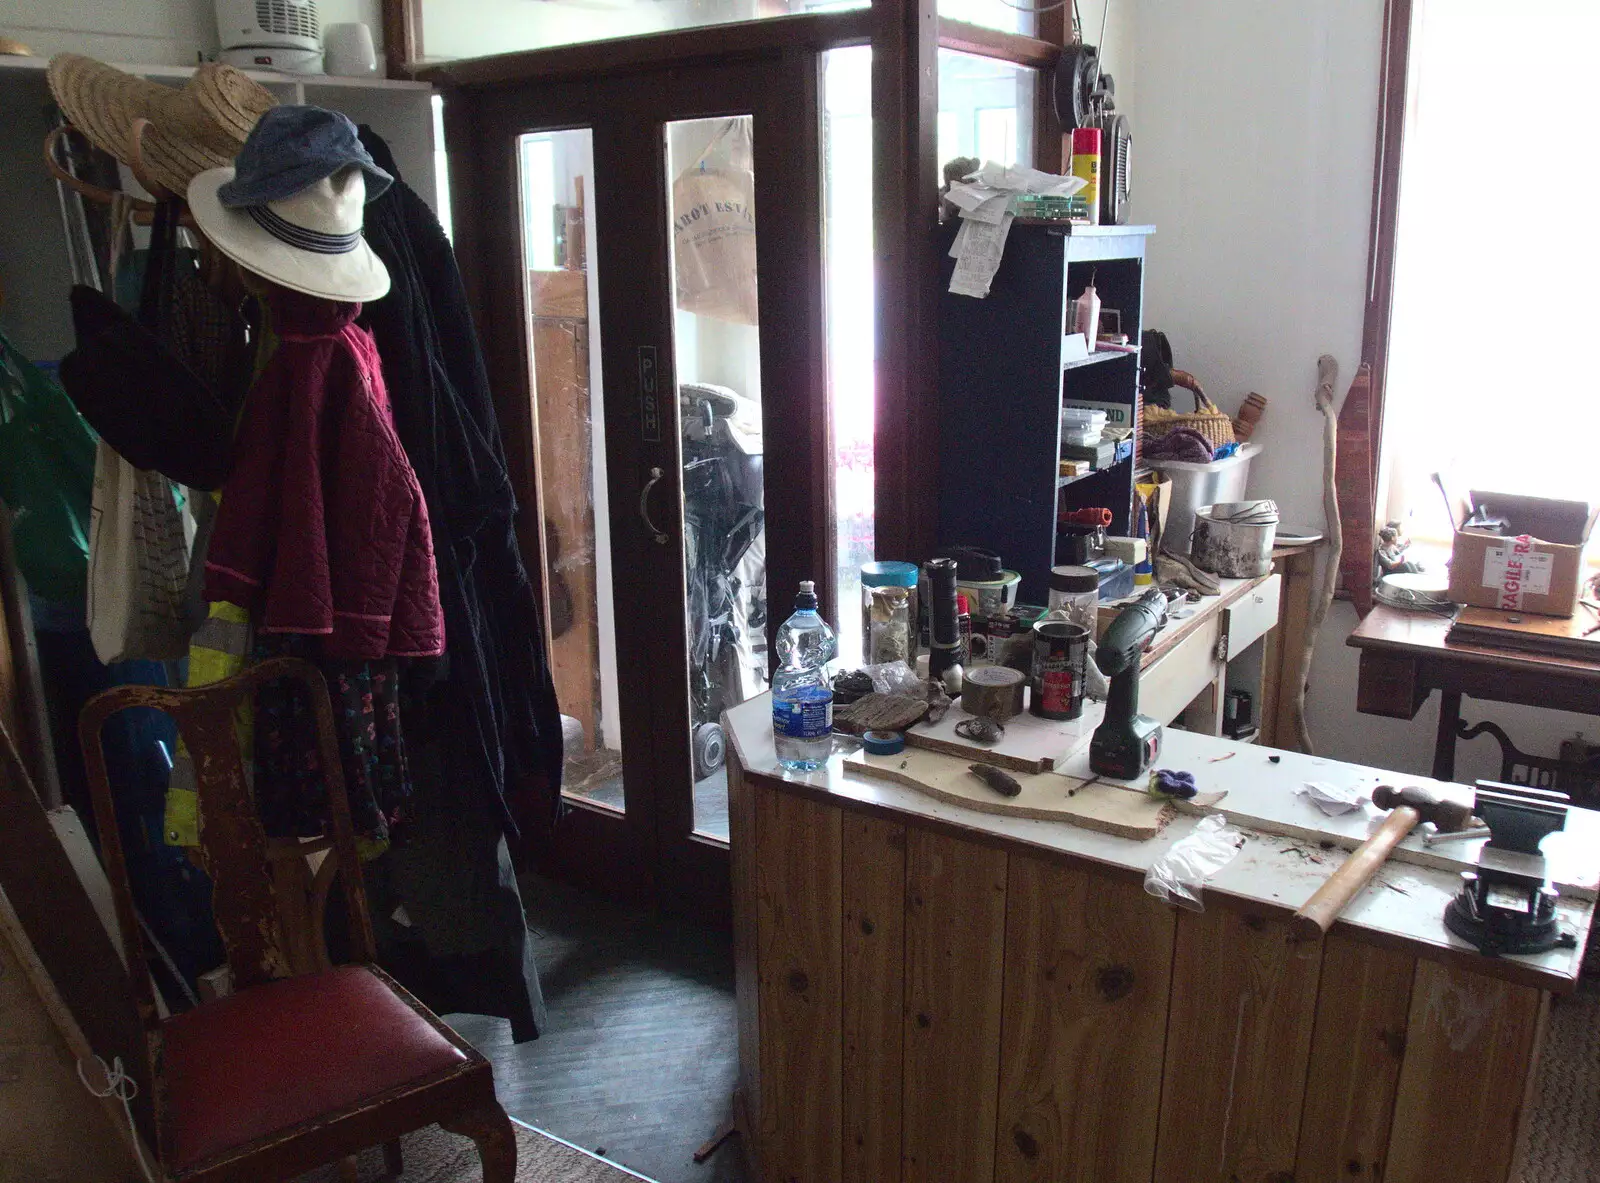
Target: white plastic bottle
[(802, 698)]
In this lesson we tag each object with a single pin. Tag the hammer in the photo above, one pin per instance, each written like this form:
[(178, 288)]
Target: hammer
[(1407, 808)]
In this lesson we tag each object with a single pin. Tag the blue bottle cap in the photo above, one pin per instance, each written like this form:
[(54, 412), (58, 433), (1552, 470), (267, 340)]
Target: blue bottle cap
[(890, 574)]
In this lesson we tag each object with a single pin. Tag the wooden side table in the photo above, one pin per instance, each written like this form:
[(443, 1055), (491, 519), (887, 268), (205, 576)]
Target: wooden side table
[(1405, 658)]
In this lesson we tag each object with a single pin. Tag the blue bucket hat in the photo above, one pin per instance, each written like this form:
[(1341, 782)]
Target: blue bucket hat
[(291, 149)]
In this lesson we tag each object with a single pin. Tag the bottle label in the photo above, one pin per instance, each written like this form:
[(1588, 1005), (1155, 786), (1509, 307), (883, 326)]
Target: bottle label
[(802, 719)]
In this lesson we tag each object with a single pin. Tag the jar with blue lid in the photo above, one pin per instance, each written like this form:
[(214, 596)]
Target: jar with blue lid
[(889, 613)]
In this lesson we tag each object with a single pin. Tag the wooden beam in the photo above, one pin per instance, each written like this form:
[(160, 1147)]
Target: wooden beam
[(1392, 102), (905, 107), (992, 43), (402, 36), (1055, 27), (681, 47)]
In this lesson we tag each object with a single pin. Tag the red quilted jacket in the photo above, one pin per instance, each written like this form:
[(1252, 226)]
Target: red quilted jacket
[(322, 528)]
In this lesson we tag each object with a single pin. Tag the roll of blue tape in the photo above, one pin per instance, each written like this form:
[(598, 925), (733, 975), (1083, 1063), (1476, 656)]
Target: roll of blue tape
[(883, 743)]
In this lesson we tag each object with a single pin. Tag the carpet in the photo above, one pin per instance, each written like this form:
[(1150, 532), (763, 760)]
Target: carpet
[(1564, 1128), (433, 1156)]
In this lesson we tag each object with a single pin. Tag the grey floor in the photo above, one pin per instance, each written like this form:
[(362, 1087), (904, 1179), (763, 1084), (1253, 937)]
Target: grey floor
[(638, 1060)]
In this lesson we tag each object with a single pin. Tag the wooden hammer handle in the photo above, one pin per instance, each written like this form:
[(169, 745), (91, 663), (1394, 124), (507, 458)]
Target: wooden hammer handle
[(1323, 908)]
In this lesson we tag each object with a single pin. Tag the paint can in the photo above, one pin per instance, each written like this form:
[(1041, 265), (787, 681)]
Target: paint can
[(1060, 660)]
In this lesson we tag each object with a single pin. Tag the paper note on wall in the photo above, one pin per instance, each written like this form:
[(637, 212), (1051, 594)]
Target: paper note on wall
[(1517, 570)]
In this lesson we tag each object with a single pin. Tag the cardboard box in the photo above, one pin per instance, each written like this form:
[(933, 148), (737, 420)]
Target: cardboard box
[(1534, 565)]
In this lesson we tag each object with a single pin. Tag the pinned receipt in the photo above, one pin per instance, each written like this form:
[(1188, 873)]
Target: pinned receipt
[(1333, 799), (984, 200)]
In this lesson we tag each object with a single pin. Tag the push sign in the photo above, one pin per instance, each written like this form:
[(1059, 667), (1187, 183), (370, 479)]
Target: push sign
[(1517, 570)]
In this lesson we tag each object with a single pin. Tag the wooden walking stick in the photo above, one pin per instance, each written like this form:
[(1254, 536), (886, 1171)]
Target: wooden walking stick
[(1327, 375)]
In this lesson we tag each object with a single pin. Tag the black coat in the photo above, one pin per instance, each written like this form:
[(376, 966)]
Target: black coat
[(444, 414), (484, 738)]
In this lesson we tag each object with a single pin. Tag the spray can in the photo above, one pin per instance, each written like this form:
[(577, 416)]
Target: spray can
[(1086, 165)]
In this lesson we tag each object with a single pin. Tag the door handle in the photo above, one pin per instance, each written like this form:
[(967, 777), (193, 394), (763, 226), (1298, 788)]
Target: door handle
[(644, 506)]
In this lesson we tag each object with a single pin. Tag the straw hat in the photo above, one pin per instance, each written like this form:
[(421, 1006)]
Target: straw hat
[(200, 126)]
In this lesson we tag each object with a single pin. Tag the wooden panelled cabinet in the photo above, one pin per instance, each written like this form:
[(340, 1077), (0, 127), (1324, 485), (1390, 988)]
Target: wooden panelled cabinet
[(920, 1002)]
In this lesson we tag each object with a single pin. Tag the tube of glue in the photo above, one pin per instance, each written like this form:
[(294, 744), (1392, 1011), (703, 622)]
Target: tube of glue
[(1086, 166)]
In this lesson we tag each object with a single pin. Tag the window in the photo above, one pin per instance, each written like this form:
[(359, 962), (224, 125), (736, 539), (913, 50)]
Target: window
[(985, 109), (847, 163), (1009, 16), (1494, 293)]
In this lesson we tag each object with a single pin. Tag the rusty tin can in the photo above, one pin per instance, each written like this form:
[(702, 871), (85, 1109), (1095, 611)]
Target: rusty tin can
[(1060, 660)]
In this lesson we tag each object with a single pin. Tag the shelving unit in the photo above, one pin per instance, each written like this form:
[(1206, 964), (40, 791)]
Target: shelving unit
[(1003, 377)]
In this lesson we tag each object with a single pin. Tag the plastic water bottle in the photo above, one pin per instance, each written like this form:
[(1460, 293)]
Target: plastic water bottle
[(802, 698)]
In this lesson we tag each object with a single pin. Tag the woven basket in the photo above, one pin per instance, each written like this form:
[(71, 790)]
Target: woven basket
[(1206, 418)]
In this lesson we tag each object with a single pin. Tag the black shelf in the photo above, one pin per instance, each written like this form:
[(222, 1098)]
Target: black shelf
[(1098, 358), (1063, 481), (1003, 378)]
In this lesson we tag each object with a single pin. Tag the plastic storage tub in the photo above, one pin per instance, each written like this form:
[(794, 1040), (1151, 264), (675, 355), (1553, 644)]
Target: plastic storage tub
[(1194, 485)]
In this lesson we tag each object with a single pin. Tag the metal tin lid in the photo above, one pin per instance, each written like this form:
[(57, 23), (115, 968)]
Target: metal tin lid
[(891, 574), (884, 743), (1074, 580)]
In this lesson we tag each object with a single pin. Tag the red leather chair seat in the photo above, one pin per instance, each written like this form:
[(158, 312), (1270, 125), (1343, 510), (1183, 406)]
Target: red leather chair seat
[(272, 1057)]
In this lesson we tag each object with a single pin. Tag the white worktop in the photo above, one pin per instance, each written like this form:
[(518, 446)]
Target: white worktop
[(1404, 901)]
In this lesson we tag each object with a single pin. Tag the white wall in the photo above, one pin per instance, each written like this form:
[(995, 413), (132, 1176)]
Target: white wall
[(144, 32), (1253, 152)]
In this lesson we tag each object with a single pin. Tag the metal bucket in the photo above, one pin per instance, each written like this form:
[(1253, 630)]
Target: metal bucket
[(1234, 539)]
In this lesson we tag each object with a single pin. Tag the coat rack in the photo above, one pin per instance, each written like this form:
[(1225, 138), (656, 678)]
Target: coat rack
[(143, 210)]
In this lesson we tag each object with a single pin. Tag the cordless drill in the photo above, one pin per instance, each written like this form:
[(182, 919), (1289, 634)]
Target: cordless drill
[(1126, 742)]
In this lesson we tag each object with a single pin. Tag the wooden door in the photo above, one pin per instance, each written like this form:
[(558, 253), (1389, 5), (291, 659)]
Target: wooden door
[(656, 514)]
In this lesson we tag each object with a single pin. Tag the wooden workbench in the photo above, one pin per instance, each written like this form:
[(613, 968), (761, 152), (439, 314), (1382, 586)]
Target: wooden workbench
[(926, 992)]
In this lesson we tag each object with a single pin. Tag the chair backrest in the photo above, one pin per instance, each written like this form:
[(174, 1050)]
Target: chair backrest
[(234, 847)]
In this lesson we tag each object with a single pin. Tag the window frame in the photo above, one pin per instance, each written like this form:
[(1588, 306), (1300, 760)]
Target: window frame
[(905, 36)]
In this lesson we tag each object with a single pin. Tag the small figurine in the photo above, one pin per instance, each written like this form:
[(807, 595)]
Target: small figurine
[(1391, 552)]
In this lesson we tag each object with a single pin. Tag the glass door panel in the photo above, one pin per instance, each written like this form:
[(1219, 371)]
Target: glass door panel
[(717, 363), (557, 170), (847, 188)]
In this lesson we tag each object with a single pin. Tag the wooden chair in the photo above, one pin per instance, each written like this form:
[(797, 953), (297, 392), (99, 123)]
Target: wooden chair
[(291, 1070)]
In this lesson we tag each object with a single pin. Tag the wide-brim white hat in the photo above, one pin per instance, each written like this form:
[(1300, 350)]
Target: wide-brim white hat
[(310, 242)]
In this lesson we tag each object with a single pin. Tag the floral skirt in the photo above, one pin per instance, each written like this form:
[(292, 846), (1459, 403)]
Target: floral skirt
[(289, 790)]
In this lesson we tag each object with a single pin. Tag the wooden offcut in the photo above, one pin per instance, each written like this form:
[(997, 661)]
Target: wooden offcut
[(1030, 744), (1047, 796)]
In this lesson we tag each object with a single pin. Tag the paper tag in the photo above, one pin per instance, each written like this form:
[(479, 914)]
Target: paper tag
[(1515, 571)]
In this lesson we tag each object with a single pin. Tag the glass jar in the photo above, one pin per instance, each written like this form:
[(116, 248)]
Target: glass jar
[(889, 613), (1075, 595)]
